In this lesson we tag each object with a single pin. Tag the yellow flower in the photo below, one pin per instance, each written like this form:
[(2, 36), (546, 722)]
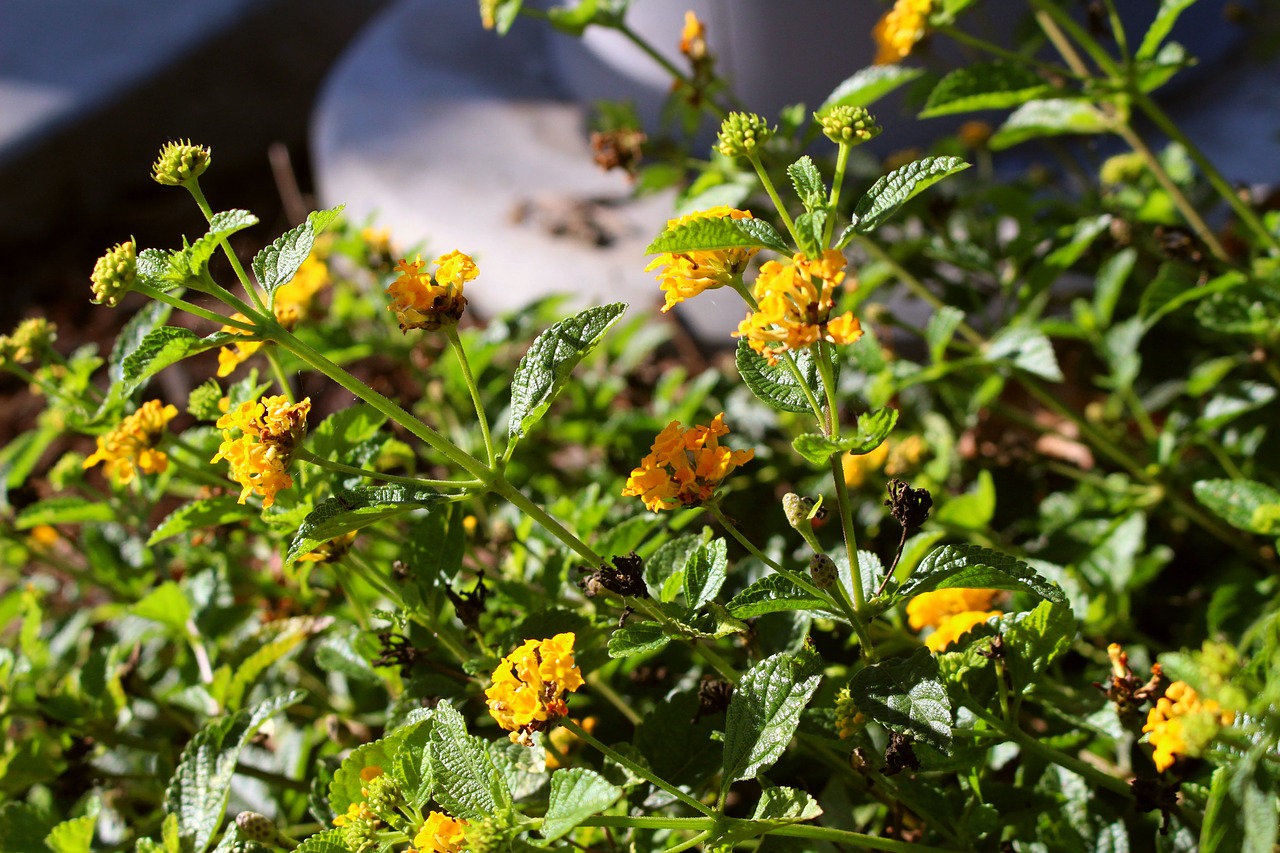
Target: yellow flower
[(693, 38), (849, 720), (355, 811), (683, 275), (898, 31), (857, 468), (904, 455), (795, 303), (955, 627), (131, 445), (684, 466), (527, 694), (931, 609), (442, 834), (270, 430), (368, 774), (291, 302), (1182, 724), (952, 613), (423, 303)]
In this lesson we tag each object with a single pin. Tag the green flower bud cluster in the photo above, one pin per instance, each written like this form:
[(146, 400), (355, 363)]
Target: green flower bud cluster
[(800, 514), (33, 335), (849, 125), (256, 827), (742, 134), (823, 571), (114, 274), (488, 836), (383, 796), (180, 163)]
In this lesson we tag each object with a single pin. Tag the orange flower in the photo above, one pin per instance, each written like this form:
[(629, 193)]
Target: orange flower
[(899, 30), (527, 694), (423, 303), (795, 303), (684, 466), (683, 275), (270, 430), (1182, 724), (131, 446)]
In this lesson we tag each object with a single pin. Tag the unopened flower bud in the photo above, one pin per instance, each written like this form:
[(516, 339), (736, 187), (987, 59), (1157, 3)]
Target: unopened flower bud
[(741, 134), (823, 571), (850, 125), (114, 274), (180, 163), (256, 827), (32, 335)]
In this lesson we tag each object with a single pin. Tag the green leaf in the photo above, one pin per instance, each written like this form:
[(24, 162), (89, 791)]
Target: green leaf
[(1245, 504), (466, 783), (1242, 812), (197, 515), (524, 768), (352, 509), (192, 260), (275, 641), (66, 509), (165, 346), (576, 794), (637, 639), (780, 806), (75, 835), (1174, 287), (870, 85), (1112, 274), (154, 268), (975, 567), (709, 234), (1026, 348), (907, 696), (546, 367), (776, 384), (337, 653), (974, 509), (344, 429), (900, 186), (167, 605), (276, 264), (773, 594), (149, 318), (764, 712), (329, 841), (1035, 639), (1166, 17), (23, 827), (940, 329), (1049, 117), (873, 429), (344, 788), (985, 86), (705, 573), (669, 562), (411, 762), (807, 180), (199, 789)]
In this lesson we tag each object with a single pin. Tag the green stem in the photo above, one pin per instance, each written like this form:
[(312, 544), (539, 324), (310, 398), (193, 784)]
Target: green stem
[(642, 772), (452, 332), (193, 187), (773, 195), (307, 456), (601, 687), (277, 370), (837, 183), (996, 50), (195, 310), (717, 661), (691, 843), (855, 839), (688, 824), (521, 502), (668, 66), (1211, 173), (1055, 756), (916, 286), (1055, 22)]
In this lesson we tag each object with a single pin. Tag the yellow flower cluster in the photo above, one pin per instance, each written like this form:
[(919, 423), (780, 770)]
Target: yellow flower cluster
[(358, 810), (441, 834), (131, 446), (291, 302), (951, 613), (795, 303), (684, 466), (270, 430), (527, 694), (423, 302), (897, 458), (1182, 724), (899, 29), (683, 275)]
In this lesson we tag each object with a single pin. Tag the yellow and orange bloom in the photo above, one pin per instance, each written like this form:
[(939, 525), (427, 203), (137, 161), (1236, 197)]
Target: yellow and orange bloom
[(442, 834), (795, 303), (683, 275), (355, 812), (1181, 724), (527, 694), (684, 466), (422, 301), (270, 429), (131, 446), (693, 38), (900, 29), (951, 613)]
